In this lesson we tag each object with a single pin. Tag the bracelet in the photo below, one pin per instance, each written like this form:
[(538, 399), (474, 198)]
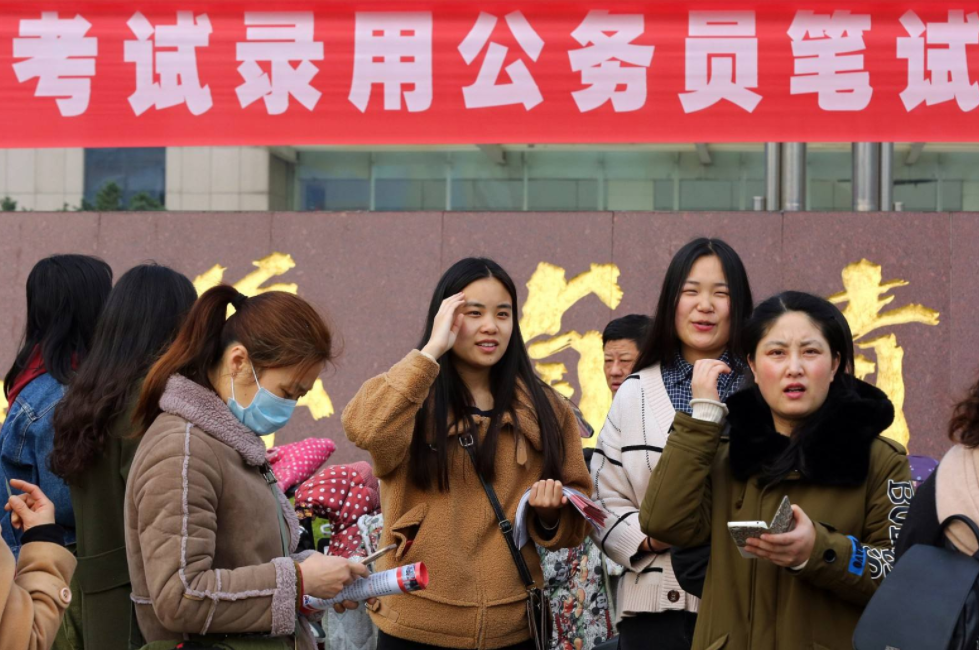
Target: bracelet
[(549, 528), (300, 592)]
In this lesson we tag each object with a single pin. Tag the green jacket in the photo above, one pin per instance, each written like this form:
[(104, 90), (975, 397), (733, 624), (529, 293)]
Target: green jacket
[(108, 621), (856, 488)]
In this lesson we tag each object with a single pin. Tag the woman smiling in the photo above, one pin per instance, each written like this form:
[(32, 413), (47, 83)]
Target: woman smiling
[(462, 409), (703, 304)]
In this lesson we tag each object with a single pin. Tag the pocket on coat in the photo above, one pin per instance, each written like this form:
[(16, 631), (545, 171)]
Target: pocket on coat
[(381, 608), (718, 644), (406, 528)]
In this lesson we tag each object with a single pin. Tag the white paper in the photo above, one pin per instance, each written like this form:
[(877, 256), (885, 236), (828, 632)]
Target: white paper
[(521, 532), (385, 583)]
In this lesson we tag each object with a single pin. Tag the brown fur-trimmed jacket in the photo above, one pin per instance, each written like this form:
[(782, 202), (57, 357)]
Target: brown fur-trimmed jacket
[(475, 598), (202, 532)]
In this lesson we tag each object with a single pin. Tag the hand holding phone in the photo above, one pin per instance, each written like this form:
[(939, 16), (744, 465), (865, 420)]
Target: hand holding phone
[(790, 549), (742, 531)]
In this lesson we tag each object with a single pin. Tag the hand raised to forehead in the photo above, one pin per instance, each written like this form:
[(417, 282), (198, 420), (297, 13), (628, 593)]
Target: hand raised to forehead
[(446, 327)]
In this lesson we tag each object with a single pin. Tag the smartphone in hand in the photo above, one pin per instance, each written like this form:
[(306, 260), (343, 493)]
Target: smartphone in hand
[(742, 531)]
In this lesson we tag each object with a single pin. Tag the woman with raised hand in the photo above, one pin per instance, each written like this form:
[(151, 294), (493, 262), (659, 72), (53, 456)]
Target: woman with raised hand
[(65, 295), (807, 430), (703, 303), (94, 441), (34, 591), (210, 537), (470, 383)]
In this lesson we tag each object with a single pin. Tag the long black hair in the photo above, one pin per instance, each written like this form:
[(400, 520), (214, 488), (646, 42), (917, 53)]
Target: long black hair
[(449, 400), (141, 317), (835, 329), (65, 295), (662, 342)]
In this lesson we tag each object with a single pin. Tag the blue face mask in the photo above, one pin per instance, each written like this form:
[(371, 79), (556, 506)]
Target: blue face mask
[(266, 414)]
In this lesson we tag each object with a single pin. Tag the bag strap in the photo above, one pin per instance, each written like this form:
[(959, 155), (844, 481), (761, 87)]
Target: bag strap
[(284, 535), (968, 522), (467, 442)]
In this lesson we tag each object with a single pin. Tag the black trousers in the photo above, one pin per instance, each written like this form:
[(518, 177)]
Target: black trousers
[(660, 631), (388, 642)]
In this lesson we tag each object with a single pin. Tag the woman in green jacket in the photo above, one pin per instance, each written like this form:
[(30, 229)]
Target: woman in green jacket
[(806, 429), (94, 443)]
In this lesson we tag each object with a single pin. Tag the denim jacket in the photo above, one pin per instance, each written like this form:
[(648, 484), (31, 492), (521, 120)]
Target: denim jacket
[(26, 440)]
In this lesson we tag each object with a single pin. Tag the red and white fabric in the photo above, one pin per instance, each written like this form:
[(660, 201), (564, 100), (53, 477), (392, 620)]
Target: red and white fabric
[(342, 494), (294, 463)]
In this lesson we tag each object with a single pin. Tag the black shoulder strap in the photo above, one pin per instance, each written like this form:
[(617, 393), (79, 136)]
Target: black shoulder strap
[(968, 522), (466, 440)]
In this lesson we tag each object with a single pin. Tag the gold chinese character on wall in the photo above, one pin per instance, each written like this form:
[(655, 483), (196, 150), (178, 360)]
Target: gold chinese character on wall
[(549, 296), (316, 400), (864, 294)]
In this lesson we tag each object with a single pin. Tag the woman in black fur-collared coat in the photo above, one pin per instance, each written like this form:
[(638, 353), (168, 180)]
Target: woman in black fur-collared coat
[(807, 430)]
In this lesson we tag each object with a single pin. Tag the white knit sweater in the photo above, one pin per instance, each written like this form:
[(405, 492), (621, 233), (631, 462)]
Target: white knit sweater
[(628, 449)]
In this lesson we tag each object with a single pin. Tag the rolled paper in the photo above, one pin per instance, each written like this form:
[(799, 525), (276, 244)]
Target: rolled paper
[(401, 580)]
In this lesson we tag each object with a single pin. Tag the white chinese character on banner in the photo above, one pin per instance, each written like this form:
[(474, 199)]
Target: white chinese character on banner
[(947, 64), (278, 38), (722, 60), (393, 49), (608, 44), (824, 47), (176, 66), (59, 56), (486, 92)]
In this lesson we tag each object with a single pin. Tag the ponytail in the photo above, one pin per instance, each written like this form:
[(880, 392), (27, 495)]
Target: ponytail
[(195, 350), (278, 329)]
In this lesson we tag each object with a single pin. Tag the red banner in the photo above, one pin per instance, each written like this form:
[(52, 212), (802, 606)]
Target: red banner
[(100, 74)]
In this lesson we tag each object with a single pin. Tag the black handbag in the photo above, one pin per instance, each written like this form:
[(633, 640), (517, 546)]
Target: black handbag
[(929, 601), (538, 606)]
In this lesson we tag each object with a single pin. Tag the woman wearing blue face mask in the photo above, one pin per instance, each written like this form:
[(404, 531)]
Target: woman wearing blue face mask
[(209, 535)]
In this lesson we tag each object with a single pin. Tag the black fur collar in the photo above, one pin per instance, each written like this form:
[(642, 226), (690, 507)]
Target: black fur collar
[(835, 451)]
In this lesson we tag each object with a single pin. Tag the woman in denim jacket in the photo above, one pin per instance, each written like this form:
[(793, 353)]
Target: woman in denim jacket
[(65, 294)]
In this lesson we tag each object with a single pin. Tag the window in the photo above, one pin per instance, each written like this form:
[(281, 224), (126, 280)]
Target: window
[(134, 171)]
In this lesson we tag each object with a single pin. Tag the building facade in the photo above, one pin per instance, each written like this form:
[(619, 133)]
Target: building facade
[(510, 178)]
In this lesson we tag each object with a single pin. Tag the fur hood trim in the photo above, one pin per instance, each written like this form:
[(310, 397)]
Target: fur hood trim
[(836, 451)]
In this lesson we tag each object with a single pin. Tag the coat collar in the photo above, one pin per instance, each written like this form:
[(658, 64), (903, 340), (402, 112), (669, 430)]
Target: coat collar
[(835, 451), (522, 419), (204, 409)]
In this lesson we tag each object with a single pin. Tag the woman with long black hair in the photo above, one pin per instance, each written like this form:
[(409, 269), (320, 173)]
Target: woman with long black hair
[(94, 440), (703, 303), (470, 381), (65, 295)]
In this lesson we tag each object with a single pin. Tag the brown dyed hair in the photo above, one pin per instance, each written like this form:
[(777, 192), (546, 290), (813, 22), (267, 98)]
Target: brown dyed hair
[(964, 427), (278, 329)]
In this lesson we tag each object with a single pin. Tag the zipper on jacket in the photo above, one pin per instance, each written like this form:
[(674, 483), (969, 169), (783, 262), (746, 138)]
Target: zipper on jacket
[(754, 569)]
